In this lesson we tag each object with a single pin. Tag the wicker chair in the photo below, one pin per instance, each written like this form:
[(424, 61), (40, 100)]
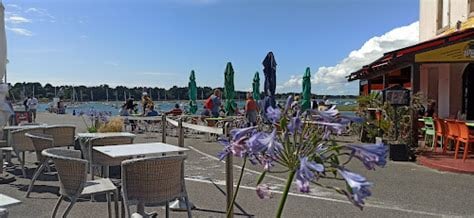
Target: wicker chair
[(40, 143), (153, 181), (20, 144), (99, 159), (72, 173), (63, 135)]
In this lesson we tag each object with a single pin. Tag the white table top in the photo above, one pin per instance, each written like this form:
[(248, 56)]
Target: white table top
[(104, 134), (23, 127), (6, 201), (142, 149)]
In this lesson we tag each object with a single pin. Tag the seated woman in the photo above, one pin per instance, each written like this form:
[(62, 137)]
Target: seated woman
[(150, 111), (176, 111)]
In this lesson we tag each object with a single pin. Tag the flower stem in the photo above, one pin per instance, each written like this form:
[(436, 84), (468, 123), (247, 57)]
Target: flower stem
[(237, 188), (285, 193)]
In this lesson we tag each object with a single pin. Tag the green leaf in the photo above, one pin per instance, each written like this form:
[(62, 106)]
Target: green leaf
[(283, 123), (261, 177)]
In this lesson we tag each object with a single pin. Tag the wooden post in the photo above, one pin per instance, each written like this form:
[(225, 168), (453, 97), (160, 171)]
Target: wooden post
[(229, 181), (415, 87), (180, 133), (163, 128)]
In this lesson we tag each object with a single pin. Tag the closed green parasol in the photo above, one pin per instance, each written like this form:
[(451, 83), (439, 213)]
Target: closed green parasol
[(256, 87), (192, 93), (229, 91), (306, 99)]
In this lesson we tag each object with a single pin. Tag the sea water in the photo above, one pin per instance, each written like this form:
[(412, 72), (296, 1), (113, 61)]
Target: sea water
[(113, 107)]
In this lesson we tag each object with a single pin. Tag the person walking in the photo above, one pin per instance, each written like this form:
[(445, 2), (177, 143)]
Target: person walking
[(25, 103), (32, 104), (251, 110)]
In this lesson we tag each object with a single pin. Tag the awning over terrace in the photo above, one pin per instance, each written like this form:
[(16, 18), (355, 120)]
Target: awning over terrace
[(454, 47)]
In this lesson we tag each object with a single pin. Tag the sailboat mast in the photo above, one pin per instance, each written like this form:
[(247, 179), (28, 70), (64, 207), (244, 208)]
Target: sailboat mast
[(80, 95), (107, 93)]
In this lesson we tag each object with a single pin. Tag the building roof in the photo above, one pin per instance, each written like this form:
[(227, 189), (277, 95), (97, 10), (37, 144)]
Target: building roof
[(391, 60)]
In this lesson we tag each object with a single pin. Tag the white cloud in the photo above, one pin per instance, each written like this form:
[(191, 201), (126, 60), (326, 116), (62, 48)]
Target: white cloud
[(43, 14), (16, 19), (332, 78), (20, 31), (14, 6)]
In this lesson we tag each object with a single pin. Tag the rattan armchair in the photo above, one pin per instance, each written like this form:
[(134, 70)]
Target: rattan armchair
[(153, 181), (63, 135), (40, 143), (72, 173), (99, 159), (20, 144)]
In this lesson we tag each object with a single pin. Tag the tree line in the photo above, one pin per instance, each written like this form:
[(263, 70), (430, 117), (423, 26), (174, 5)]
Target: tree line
[(19, 91)]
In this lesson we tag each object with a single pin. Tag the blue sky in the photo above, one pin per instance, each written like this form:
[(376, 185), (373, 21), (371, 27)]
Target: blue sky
[(158, 42)]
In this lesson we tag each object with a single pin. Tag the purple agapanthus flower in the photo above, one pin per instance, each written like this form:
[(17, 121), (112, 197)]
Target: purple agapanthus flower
[(307, 171), (237, 148), (359, 187), (240, 132), (371, 155), (295, 125), (254, 144), (273, 114), (263, 191), (226, 151), (271, 142)]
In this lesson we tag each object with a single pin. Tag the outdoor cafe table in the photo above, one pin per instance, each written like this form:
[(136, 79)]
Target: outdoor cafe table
[(6, 201), (88, 135), (139, 150)]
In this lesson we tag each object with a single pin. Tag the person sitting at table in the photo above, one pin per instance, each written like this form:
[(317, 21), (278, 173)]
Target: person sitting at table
[(150, 111), (322, 106), (430, 112), (176, 111), (146, 102)]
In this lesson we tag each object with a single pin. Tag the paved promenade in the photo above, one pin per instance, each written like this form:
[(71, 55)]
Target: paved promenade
[(401, 189)]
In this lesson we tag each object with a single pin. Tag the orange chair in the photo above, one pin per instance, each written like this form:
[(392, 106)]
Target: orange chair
[(464, 137), (440, 134), (452, 133)]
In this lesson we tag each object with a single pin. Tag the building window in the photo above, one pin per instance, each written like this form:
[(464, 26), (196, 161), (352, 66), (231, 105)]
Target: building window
[(443, 14)]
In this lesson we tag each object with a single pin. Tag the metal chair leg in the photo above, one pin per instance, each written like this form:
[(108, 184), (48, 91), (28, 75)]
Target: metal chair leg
[(39, 170), (116, 198), (109, 210), (188, 206), (68, 209), (22, 165), (57, 206), (167, 209)]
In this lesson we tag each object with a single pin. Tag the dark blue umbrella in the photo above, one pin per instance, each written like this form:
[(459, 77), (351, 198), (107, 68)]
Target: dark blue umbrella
[(269, 69)]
